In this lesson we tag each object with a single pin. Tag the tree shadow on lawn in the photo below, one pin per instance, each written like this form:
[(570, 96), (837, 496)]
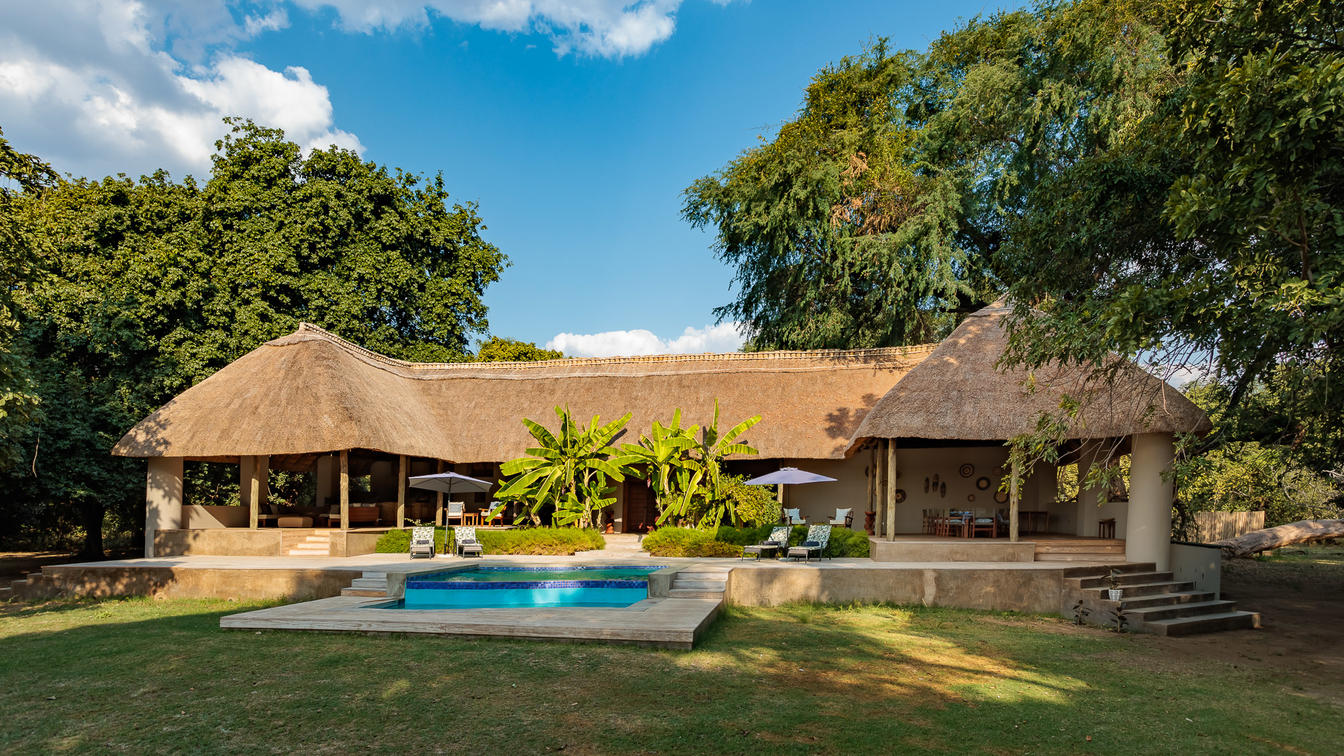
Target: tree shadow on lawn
[(160, 675)]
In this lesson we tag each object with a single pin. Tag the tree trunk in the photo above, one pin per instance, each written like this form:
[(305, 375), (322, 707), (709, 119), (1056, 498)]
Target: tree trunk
[(91, 515), (1301, 531)]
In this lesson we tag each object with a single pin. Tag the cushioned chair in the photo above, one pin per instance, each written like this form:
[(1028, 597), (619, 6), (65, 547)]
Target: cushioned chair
[(793, 517), (778, 540), (844, 518), (814, 545), (464, 542), (422, 542), (454, 509)]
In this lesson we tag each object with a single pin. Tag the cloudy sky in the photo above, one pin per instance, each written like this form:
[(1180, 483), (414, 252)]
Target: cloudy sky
[(575, 124)]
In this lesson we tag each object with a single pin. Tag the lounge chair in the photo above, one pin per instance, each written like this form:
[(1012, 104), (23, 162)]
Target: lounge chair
[(844, 518), (464, 541), (778, 540), (814, 545), (422, 542), (793, 517)]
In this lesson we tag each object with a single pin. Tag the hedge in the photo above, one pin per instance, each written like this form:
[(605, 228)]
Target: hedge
[(543, 541), (728, 541)]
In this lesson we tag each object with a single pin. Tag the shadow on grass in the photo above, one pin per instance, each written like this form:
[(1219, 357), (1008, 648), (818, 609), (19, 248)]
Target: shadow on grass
[(146, 675)]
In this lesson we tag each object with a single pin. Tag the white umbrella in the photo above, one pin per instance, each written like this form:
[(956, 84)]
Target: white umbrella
[(447, 482), (787, 476)]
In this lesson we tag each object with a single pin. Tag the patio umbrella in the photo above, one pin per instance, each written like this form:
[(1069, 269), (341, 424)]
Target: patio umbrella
[(447, 482), (787, 476)]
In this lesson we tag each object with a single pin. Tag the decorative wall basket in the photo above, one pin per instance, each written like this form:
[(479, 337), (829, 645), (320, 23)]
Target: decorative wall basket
[(1001, 497), (970, 497), (967, 470), (982, 483), (900, 495)]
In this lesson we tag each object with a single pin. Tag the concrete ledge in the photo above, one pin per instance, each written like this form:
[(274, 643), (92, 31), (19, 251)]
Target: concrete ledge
[(218, 542), (997, 589), (916, 550), (195, 582)]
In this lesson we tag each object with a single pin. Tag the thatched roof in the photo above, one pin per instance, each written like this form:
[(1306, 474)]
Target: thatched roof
[(958, 393), (311, 392)]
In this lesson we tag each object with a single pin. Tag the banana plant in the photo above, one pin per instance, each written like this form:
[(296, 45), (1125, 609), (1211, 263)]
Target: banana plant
[(713, 448), (673, 473), (569, 469)]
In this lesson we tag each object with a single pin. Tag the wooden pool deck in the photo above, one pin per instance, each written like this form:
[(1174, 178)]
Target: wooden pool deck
[(665, 622)]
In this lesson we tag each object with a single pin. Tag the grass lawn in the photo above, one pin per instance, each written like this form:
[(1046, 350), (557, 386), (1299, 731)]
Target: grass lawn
[(143, 675)]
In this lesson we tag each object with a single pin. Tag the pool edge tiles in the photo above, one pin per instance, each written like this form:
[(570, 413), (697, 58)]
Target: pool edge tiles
[(619, 587)]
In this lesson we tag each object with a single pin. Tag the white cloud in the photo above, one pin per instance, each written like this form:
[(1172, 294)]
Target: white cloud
[(725, 337), (603, 28), (129, 86)]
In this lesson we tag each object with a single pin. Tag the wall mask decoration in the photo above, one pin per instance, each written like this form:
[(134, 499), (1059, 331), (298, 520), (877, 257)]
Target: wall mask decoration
[(935, 479), (982, 483), (967, 470), (926, 485), (942, 489)]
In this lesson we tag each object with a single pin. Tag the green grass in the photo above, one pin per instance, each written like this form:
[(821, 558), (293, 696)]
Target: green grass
[(145, 675)]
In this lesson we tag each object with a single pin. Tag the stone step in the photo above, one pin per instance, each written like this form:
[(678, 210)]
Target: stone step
[(700, 585), (1080, 548), (364, 592), (1147, 589), (379, 583), (1115, 558), (1189, 609), (1165, 599), (685, 593), (1123, 579), (1089, 571), (1208, 623)]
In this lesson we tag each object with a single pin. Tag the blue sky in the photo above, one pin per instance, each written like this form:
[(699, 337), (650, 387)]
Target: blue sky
[(574, 125)]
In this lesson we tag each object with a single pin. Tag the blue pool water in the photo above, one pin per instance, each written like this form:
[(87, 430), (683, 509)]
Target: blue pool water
[(502, 587)]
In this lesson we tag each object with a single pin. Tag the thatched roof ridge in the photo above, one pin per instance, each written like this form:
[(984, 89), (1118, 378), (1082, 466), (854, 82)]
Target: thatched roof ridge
[(312, 391), (958, 393)]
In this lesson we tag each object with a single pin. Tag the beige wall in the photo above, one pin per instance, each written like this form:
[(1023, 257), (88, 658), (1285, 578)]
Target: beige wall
[(818, 501), (197, 516), (163, 497)]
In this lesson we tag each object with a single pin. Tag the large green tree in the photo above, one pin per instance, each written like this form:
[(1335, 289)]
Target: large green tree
[(150, 286), (839, 235)]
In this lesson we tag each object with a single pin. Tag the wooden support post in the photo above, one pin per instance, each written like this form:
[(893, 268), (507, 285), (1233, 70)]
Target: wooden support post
[(891, 488), (403, 470), (255, 490), (872, 492), (345, 489), (1013, 503)]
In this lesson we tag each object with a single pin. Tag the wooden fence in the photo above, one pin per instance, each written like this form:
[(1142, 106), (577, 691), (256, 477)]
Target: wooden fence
[(1214, 526)]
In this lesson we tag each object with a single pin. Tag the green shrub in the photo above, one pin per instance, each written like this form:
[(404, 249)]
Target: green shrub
[(687, 542), (543, 541), (728, 541), (753, 505)]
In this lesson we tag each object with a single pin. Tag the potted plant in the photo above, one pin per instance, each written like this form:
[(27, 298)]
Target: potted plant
[(1113, 590)]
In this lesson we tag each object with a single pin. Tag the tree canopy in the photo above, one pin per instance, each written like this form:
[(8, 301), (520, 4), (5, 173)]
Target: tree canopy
[(499, 349), (1160, 181), (146, 287)]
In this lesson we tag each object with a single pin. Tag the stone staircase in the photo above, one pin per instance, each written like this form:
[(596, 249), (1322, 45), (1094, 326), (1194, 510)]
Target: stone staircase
[(370, 584), (1103, 550), (1153, 602), (305, 543), (700, 581)]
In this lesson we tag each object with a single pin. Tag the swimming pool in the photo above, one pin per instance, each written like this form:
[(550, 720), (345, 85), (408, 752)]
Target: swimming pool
[(503, 587)]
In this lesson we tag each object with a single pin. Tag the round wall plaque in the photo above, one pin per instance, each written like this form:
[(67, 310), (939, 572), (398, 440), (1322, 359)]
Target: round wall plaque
[(900, 495), (967, 470), (982, 483)]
